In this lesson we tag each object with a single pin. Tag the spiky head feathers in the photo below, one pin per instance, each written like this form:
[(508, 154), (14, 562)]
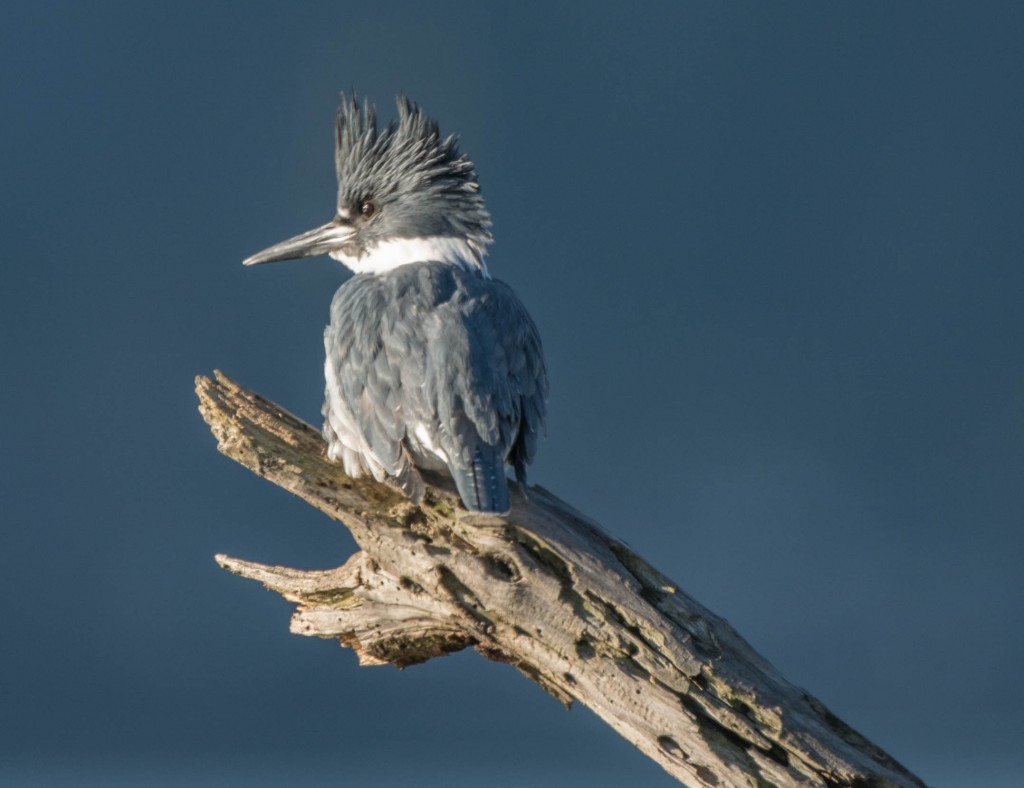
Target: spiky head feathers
[(414, 183)]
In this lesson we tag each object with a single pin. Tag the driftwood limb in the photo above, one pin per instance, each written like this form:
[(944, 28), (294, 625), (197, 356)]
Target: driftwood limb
[(546, 590)]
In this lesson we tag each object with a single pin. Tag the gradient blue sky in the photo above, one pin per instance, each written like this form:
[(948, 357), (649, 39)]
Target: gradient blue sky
[(775, 254)]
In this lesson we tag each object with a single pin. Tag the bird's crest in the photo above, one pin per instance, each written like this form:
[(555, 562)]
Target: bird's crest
[(408, 159)]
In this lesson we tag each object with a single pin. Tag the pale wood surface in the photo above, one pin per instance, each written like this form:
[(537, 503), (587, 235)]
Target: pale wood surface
[(547, 591)]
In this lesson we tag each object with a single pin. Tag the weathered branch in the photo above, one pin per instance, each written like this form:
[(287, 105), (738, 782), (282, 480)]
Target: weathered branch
[(547, 591)]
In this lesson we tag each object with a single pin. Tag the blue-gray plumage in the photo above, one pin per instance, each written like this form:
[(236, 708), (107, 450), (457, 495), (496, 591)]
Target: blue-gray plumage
[(430, 362)]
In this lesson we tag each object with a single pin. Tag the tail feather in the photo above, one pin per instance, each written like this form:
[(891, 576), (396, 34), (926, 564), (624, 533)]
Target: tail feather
[(482, 485)]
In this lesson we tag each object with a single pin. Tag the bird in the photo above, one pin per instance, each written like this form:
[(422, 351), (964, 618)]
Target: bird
[(430, 363)]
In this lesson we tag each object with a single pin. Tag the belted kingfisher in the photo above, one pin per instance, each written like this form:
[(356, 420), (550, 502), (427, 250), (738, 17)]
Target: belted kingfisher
[(430, 362)]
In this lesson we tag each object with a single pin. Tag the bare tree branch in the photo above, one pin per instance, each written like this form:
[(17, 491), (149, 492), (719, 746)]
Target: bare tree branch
[(546, 590)]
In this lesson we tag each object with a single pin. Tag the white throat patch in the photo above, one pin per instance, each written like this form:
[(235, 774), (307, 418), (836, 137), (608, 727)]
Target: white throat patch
[(391, 254)]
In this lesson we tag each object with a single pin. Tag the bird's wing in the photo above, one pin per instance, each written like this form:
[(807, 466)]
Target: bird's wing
[(368, 354), (486, 379), (529, 378)]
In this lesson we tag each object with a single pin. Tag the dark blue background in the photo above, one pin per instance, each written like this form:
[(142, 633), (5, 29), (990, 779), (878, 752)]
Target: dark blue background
[(775, 253)]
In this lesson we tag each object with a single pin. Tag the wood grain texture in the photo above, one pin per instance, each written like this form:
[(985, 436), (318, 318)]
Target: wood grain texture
[(546, 590)]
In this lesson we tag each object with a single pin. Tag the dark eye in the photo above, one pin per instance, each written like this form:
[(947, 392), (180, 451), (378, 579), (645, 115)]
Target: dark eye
[(367, 208)]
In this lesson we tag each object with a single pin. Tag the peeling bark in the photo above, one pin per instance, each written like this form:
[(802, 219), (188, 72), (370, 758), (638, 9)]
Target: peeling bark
[(546, 590)]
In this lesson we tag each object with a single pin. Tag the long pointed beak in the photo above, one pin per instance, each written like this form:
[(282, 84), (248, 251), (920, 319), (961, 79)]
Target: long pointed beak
[(319, 241)]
